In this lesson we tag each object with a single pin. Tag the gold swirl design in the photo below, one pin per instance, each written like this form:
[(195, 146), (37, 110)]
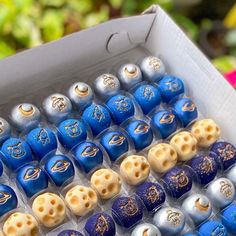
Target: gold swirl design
[(28, 112)]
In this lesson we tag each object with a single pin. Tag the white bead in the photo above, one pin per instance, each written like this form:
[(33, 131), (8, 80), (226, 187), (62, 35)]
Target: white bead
[(146, 229), (232, 175)]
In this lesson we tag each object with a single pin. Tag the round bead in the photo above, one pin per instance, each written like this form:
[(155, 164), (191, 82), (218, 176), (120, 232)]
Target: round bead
[(18, 224), (31, 179), (169, 220), (141, 134), (232, 175), (212, 227), (146, 229), (127, 211), (206, 132), (8, 199), (70, 232), (25, 117), (60, 169), (71, 132), (185, 145), (1, 168), (153, 68), (171, 87), (121, 108), (106, 183), (98, 118), (100, 224), (228, 218), (42, 142), (148, 97), (115, 143), (5, 130), (198, 207), (57, 107), (129, 75), (177, 181), (81, 200), (162, 157), (134, 169), (151, 194), (15, 153), (221, 192), (191, 234), (88, 156), (50, 209), (165, 122)]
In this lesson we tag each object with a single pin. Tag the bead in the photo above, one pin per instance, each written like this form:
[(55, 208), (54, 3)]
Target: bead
[(70, 232), (232, 175), (127, 211), (60, 169), (228, 218), (206, 132), (115, 143), (211, 228), (31, 179), (57, 107), (185, 145), (100, 224), (198, 207), (121, 108), (151, 194), (134, 169), (146, 229), (165, 122), (1, 168), (152, 68), (49, 209), (25, 117), (8, 199), (171, 87), (177, 181), (221, 192), (106, 85), (162, 157), (191, 234), (148, 97), (18, 224), (129, 75), (81, 200), (170, 221), (15, 153), (88, 156), (98, 118), (42, 142), (71, 132), (5, 130)]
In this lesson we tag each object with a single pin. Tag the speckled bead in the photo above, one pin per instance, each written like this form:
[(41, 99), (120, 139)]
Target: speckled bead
[(212, 227), (228, 218), (70, 232), (5, 130), (146, 229), (100, 224)]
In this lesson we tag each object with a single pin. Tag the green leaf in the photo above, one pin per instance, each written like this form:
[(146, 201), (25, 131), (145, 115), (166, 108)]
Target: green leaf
[(5, 50), (53, 3), (80, 6), (116, 3)]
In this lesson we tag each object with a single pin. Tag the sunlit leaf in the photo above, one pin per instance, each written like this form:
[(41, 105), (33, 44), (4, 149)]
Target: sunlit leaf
[(54, 3), (116, 3), (81, 6), (5, 50)]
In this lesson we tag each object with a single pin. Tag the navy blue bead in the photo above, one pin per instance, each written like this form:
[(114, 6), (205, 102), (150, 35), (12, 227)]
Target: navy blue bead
[(42, 142), (15, 153), (1, 168), (148, 97), (228, 217), (88, 156), (151, 194), (100, 224), (212, 227), (69, 232), (115, 144), (71, 132), (127, 211), (60, 169), (121, 108)]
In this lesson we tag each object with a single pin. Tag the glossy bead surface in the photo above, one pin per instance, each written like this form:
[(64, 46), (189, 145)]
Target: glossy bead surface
[(228, 218), (1, 168), (146, 229), (5, 130), (212, 227), (70, 232), (232, 175)]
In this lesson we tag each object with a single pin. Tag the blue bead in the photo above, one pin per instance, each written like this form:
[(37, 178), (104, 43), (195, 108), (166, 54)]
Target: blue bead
[(1, 168), (88, 156), (32, 180), (69, 232), (15, 153), (151, 194), (164, 122), (212, 227), (42, 142), (121, 108), (170, 88), (60, 169), (148, 97), (186, 111), (228, 217), (177, 181), (100, 224), (191, 234), (141, 134), (98, 118), (127, 211), (8, 199), (205, 168), (71, 132), (115, 143)]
